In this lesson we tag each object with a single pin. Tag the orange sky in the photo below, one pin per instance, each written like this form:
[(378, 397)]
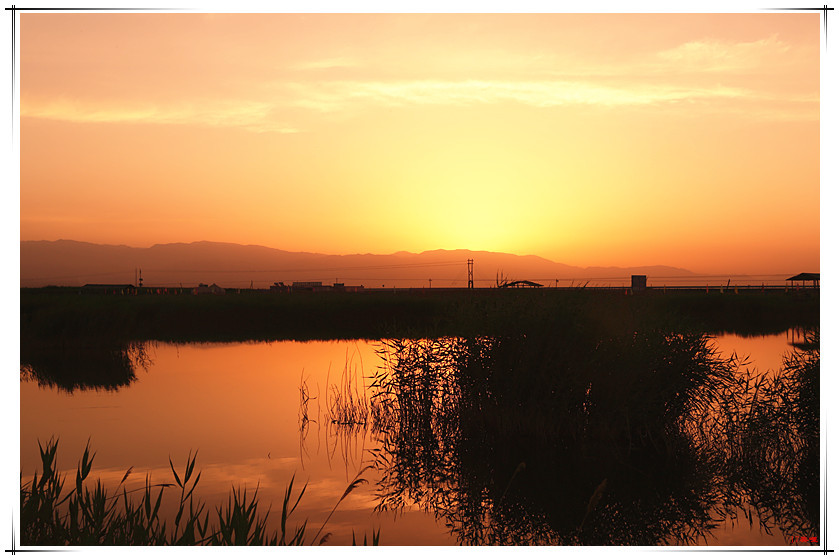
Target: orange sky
[(689, 140)]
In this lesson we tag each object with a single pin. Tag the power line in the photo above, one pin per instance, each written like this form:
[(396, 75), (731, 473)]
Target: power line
[(247, 271), (323, 269), (79, 274)]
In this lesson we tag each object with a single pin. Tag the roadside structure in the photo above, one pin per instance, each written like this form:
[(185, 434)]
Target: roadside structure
[(211, 289), (803, 278)]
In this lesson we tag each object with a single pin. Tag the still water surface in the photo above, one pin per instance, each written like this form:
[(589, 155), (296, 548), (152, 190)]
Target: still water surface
[(239, 406)]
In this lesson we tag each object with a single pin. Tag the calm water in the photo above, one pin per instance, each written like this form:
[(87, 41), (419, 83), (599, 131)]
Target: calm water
[(239, 406)]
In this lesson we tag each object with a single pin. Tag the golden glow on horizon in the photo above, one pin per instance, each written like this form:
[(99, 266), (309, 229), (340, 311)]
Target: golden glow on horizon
[(690, 140)]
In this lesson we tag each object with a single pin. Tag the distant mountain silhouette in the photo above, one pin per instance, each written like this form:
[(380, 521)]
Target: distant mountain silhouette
[(75, 263)]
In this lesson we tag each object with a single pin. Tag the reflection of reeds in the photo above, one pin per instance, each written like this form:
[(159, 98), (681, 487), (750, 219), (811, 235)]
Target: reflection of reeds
[(676, 428), (348, 417), (303, 414), (764, 434), (76, 366)]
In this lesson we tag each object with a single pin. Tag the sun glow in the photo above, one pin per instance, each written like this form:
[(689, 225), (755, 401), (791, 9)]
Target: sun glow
[(387, 132)]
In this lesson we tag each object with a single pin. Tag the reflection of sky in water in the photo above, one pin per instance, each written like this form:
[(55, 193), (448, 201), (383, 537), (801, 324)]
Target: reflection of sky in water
[(764, 352), (238, 405)]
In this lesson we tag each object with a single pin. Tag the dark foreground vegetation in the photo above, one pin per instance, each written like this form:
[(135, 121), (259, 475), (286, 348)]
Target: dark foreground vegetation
[(89, 515), (591, 438), (56, 314), (518, 417), (78, 340)]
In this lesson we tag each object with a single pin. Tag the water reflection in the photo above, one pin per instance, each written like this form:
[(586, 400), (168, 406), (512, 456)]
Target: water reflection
[(76, 366), (651, 438), (766, 438), (588, 438), (803, 338)]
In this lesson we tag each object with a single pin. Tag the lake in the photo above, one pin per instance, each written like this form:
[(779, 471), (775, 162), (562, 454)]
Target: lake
[(240, 406)]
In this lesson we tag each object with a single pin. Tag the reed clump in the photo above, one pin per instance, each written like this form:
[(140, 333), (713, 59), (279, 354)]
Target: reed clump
[(82, 515), (350, 406), (596, 434), (346, 404)]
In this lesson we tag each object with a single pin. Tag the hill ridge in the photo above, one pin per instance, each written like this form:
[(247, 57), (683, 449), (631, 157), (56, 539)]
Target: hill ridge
[(70, 262)]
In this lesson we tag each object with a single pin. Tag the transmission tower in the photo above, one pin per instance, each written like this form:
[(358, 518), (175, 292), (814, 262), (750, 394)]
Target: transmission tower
[(469, 265)]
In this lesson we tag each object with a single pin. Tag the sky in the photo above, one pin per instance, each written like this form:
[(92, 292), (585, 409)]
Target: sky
[(688, 140)]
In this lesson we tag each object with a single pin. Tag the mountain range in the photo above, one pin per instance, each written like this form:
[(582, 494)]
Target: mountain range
[(75, 263)]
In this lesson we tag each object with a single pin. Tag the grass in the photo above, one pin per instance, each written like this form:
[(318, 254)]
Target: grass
[(765, 433), (92, 515), (346, 404), (579, 386), (349, 406)]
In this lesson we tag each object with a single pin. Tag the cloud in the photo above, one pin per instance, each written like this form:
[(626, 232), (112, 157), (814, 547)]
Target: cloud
[(261, 109), (333, 96), (247, 114), (716, 56)]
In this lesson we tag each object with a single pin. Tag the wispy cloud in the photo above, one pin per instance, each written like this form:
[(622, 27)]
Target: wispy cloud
[(248, 114), (711, 55), (261, 115), (705, 72), (334, 96)]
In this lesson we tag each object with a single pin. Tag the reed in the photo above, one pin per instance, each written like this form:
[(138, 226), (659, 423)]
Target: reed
[(85, 515), (347, 404), (685, 437)]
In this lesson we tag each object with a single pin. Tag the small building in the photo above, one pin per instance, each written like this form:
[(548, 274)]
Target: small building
[(639, 282), (341, 287), (308, 286), (520, 284), (803, 278), (213, 289)]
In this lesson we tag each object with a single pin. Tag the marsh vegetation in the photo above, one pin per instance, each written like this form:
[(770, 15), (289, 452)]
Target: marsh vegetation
[(573, 418), (93, 514), (649, 438)]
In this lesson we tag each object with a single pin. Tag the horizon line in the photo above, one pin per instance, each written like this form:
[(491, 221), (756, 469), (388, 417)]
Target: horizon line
[(689, 273)]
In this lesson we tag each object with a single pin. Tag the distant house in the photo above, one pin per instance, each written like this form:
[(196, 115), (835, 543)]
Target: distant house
[(313, 287), (805, 277), (211, 289), (639, 282), (309, 287), (341, 287)]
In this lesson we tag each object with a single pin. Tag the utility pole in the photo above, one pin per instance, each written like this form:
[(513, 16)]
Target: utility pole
[(469, 264)]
